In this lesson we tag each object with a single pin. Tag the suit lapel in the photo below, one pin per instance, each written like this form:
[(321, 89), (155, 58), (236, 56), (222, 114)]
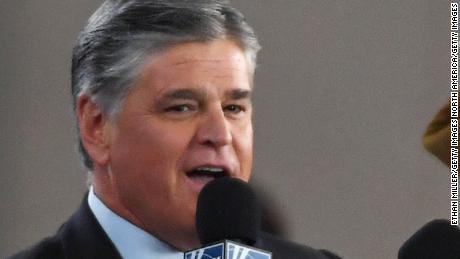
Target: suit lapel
[(83, 237)]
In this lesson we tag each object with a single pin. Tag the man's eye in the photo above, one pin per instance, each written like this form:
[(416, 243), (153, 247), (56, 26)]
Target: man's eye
[(180, 108), (234, 108)]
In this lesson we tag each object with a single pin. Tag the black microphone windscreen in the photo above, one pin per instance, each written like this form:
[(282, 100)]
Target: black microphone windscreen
[(437, 239), (227, 209)]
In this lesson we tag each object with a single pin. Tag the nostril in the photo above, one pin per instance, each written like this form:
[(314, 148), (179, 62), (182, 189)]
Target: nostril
[(209, 143)]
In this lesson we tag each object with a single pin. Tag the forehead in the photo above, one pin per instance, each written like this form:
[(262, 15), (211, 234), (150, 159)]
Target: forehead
[(198, 64), (221, 50)]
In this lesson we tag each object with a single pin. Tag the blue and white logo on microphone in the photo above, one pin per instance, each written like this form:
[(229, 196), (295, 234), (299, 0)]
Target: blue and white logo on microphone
[(237, 251), (210, 252), (227, 250)]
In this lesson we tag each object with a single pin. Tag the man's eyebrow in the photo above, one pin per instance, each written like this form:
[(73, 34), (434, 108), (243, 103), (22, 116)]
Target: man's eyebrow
[(197, 94), (183, 94), (237, 94)]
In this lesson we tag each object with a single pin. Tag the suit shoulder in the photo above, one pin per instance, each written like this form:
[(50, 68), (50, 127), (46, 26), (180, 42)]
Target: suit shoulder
[(49, 248), (281, 248)]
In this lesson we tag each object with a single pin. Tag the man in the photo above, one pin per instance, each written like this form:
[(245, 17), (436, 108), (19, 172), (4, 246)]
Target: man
[(162, 96)]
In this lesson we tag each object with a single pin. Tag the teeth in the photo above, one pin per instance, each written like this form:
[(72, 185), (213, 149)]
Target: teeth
[(208, 172), (210, 169)]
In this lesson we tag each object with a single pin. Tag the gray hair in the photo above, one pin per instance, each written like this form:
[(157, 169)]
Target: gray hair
[(121, 34)]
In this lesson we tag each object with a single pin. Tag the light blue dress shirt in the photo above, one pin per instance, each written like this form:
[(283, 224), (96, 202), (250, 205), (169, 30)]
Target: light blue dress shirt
[(130, 241)]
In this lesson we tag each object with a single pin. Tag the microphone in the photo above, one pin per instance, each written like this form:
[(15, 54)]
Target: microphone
[(437, 239), (227, 221)]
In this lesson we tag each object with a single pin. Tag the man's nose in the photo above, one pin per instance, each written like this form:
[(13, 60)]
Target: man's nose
[(214, 130)]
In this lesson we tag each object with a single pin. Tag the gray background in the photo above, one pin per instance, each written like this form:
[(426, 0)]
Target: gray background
[(344, 91)]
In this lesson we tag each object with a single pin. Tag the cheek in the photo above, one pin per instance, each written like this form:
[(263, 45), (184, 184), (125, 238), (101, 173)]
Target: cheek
[(244, 150), (153, 141), (148, 153), (145, 161)]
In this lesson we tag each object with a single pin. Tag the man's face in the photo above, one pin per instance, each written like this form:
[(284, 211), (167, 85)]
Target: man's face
[(189, 109)]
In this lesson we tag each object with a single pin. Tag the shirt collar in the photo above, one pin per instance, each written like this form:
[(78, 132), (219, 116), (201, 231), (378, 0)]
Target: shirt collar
[(130, 241)]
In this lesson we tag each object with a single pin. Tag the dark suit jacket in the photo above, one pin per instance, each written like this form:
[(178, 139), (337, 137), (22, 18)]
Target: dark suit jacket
[(81, 237)]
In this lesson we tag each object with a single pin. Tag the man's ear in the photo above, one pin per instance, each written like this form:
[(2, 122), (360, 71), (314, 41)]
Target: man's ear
[(93, 133)]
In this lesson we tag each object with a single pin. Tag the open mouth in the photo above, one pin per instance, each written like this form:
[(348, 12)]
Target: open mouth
[(208, 172)]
